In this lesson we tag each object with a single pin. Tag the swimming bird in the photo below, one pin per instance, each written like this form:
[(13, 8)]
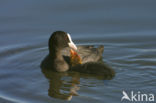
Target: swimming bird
[(59, 58)]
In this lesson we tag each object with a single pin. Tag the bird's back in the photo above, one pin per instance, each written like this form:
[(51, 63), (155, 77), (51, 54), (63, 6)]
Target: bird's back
[(87, 53)]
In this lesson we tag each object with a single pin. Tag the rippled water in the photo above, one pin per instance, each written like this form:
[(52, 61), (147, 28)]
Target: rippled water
[(127, 29)]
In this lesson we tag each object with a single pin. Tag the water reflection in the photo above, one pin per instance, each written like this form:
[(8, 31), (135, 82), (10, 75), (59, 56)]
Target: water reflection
[(62, 85), (65, 85)]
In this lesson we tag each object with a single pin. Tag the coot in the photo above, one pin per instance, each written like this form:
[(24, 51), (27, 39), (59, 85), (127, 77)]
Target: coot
[(58, 59)]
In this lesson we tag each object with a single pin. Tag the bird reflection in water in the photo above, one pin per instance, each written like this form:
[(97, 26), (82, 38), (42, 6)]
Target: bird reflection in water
[(64, 85)]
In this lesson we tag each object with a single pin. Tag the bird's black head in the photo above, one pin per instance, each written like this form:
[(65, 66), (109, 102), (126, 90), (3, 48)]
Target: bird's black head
[(60, 40)]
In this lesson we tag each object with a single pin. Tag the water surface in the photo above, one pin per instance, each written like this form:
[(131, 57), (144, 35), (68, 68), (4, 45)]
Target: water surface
[(126, 29)]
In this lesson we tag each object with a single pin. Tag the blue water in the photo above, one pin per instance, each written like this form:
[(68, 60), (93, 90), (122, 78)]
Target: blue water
[(126, 28)]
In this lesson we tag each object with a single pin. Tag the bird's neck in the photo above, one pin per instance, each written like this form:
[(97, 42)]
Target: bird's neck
[(56, 54)]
